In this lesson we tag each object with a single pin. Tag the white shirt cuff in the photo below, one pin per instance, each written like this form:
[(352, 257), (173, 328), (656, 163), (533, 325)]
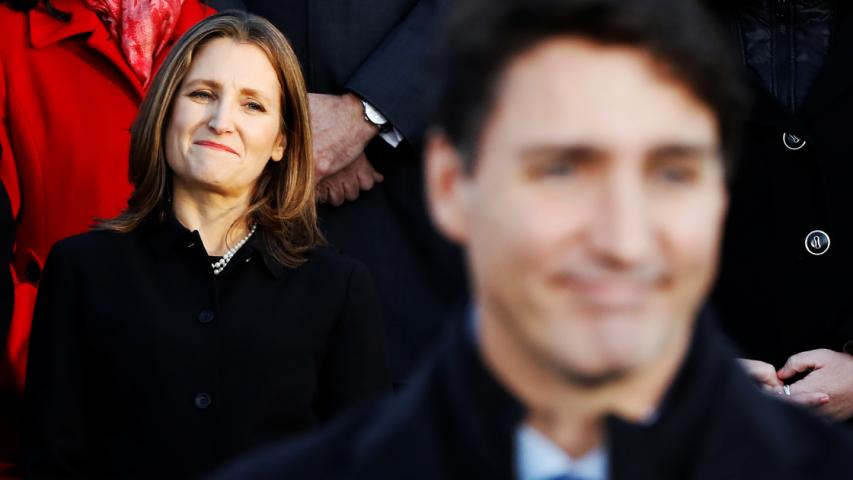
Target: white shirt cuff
[(392, 137)]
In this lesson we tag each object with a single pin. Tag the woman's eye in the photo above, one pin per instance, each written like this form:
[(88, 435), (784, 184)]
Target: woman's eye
[(201, 95), (256, 106)]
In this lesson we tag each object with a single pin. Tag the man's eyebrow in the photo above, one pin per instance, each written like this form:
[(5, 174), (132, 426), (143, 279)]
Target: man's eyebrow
[(684, 150), (566, 151)]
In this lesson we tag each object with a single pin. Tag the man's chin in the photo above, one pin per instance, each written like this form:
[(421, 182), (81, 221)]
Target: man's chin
[(592, 379), (590, 372)]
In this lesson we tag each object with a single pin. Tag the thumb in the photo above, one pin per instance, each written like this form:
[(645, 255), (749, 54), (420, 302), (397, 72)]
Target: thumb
[(799, 363)]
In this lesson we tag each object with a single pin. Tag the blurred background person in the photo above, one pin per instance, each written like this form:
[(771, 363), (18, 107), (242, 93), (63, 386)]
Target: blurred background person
[(784, 292), (205, 319), (368, 67), (72, 75), (580, 157)]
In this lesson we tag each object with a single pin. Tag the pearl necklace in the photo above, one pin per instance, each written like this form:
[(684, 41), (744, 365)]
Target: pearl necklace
[(220, 264)]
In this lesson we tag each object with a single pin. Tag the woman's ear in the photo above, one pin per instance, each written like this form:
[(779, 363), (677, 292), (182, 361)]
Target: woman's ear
[(278, 148)]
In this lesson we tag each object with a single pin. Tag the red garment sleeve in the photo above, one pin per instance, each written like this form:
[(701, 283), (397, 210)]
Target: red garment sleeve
[(15, 351)]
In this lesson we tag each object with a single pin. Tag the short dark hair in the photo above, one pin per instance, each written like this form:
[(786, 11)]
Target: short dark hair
[(482, 37)]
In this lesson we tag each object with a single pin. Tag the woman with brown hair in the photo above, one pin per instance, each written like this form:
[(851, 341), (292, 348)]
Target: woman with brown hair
[(67, 68), (207, 318)]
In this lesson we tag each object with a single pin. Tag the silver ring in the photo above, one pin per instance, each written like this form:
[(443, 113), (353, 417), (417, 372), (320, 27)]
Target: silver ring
[(787, 390)]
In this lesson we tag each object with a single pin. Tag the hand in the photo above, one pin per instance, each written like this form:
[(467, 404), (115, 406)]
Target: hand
[(763, 373), (339, 130), (348, 183), (830, 375)]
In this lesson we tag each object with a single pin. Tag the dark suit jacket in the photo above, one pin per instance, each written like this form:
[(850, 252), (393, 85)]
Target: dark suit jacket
[(381, 50), (143, 364), (457, 422), (9, 401)]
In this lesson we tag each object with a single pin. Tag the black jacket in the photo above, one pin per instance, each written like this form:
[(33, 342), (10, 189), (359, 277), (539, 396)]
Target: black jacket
[(381, 50), (143, 364), (775, 297), (7, 291), (457, 422), (9, 401)]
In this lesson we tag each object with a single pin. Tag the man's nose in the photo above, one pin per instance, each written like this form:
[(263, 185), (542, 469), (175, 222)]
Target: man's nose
[(622, 226)]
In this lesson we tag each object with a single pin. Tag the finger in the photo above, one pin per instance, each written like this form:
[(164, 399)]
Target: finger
[(363, 172), (377, 177), (761, 372), (808, 399), (322, 193), (365, 175), (772, 389), (351, 189), (365, 179), (800, 363), (336, 194)]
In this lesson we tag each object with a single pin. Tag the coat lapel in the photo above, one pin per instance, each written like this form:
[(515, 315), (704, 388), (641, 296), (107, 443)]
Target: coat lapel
[(46, 30)]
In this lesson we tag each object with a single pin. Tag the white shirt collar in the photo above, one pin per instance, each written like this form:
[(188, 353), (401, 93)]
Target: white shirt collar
[(537, 458)]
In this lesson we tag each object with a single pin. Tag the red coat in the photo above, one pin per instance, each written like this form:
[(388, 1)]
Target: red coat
[(67, 101)]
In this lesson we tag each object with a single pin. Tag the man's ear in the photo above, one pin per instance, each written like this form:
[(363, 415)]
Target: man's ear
[(447, 185), (278, 148)]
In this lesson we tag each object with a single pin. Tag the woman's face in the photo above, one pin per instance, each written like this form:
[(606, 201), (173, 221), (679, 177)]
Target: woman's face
[(226, 120)]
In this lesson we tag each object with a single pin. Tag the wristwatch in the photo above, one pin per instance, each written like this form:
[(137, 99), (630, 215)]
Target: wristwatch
[(373, 116)]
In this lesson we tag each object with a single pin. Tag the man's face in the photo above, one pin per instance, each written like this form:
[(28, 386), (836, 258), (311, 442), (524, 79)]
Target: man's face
[(593, 214)]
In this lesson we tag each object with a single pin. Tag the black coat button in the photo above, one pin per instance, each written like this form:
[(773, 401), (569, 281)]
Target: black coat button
[(206, 316), (817, 242), (793, 142), (202, 401)]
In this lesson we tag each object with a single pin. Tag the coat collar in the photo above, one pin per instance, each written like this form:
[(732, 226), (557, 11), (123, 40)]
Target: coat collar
[(487, 415), (669, 447), (831, 81), (46, 30), (167, 234)]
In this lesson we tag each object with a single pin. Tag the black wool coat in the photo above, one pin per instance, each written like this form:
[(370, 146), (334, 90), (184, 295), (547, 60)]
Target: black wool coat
[(457, 422), (776, 298), (143, 364)]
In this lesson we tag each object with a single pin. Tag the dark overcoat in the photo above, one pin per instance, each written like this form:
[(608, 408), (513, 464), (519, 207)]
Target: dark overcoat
[(457, 422), (143, 364)]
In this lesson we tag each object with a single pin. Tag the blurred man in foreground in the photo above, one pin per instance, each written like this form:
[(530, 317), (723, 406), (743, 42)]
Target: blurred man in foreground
[(580, 160)]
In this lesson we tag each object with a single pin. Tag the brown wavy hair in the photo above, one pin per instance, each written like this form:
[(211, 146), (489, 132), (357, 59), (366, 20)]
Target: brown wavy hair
[(282, 203)]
